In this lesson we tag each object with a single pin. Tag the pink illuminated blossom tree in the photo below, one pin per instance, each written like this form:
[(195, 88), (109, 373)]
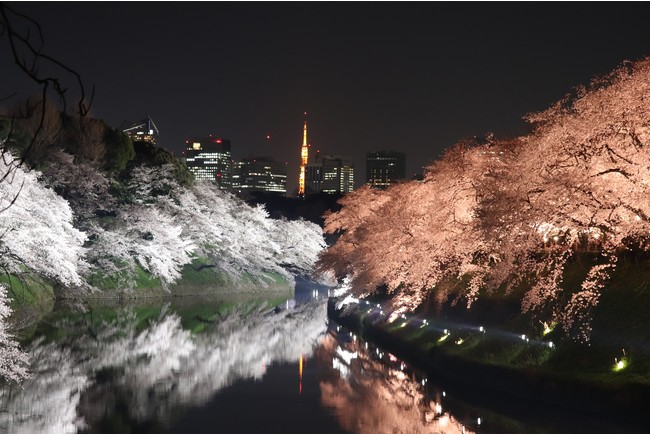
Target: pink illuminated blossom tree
[(495, 214), (415, 234)]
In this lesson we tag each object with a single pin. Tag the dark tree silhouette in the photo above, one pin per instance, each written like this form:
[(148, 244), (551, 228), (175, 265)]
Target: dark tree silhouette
[(25, 40)]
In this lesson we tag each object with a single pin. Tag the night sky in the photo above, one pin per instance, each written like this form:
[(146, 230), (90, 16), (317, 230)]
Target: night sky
[(415, 77)]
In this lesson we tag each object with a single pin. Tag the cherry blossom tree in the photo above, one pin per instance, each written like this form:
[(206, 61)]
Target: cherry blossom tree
[(36, 234), (580, 181), (36, 227), (142, 236), (163, 226), (497, 213), (414, 235), (13, 360)]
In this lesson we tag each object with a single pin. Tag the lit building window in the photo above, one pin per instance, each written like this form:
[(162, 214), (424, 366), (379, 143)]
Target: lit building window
[(210, 159)]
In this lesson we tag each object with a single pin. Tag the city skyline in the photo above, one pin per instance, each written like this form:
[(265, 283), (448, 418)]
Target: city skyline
[(411, 77)]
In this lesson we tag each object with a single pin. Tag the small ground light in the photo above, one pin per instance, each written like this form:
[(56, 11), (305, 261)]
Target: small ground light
[(523, 337), (548, 328), (478, 421), (619, 364), (551, 345), (444, 393), (481, 329)]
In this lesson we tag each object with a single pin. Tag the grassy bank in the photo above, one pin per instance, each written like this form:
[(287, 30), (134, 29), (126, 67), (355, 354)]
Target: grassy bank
[(199, 277), (197, 313), (494, 345), (33, 297)]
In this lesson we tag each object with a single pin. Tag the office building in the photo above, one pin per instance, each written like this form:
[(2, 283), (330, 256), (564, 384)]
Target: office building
[(331, 174), (141, 131), (259, 175), (210, 159), (384, 168)]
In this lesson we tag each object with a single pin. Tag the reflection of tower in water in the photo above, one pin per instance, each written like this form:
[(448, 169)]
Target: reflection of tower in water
[(300, 375)]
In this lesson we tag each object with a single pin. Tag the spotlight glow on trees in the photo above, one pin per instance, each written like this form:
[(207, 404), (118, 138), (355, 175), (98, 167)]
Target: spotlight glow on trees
[(488, 209)]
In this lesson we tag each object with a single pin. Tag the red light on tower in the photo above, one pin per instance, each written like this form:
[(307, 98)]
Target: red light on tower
[(217, 141)]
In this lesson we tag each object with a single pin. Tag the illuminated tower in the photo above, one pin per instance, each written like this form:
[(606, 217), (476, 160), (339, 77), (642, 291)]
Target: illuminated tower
[(304, 152)]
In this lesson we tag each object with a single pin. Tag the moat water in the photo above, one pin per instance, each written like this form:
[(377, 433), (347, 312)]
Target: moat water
[(272, 365)]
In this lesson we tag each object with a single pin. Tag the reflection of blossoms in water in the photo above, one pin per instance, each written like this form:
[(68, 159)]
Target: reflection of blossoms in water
[(372, 398), (47, 401), (240, 346), (155, 370)]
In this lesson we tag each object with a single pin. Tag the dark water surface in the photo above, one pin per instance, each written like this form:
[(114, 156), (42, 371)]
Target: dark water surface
[(245, 366)]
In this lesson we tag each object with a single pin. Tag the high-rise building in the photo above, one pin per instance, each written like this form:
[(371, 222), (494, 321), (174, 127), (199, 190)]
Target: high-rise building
[(384, 168), (259, 175), (210, 159), (141, 131), (332, 174), (304, 155)]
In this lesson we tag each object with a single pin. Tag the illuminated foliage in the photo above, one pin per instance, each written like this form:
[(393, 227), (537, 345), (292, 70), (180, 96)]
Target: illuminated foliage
[(36, 227), (13, 361), (152, 222), (494, 214)]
